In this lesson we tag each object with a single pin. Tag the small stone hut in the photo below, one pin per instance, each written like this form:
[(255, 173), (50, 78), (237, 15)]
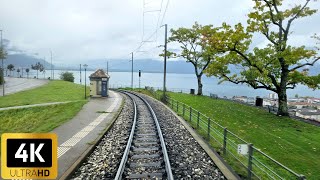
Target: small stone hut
[(99, 84)]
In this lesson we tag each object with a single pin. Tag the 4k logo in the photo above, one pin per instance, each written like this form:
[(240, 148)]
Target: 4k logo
[(29, 156)]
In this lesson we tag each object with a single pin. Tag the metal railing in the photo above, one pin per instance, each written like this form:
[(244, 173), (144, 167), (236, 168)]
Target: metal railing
[(254, 164)]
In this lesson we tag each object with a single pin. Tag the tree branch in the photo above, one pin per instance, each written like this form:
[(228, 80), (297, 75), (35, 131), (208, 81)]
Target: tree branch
[(293, 18), (251, 83), (305, 64), (272, 15), (205, 66), (267, 33)]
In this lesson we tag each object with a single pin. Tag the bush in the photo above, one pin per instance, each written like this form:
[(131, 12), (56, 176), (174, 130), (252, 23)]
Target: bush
[(67, 76)]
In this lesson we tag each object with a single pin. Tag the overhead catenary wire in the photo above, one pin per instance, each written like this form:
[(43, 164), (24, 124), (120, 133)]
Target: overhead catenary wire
[(155, 33), (165, 11)]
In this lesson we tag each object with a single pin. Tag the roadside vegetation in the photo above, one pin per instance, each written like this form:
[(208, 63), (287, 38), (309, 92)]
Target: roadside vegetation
[(295, 144), (42, 118), (38, 119), (67, 76), (54, 91)]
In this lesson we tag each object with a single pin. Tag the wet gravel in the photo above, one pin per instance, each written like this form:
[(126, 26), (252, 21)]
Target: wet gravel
[(104, 161), (187, 158)]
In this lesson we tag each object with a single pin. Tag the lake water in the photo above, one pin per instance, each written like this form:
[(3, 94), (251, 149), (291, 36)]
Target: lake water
[(183, 82)]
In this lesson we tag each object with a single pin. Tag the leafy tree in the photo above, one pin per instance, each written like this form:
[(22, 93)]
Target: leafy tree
[(18, 71), (3, 55), (67, 76), (10, 67), (1, 76), (38, 67), (194, 48), (27, 71), (275, 67)]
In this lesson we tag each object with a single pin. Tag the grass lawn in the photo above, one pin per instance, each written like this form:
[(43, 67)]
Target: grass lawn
[(294, 144), (38, 119), (44, 118), (54, 91)]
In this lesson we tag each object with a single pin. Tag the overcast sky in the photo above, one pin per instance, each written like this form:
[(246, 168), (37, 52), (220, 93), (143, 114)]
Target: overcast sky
[(82, 30)]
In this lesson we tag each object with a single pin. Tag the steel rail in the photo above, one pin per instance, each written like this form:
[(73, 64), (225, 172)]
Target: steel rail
[(162, 142), (127, 150)]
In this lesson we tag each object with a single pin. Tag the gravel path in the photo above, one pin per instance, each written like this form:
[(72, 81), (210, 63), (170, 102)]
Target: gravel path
[(188, 159), (103, 163)]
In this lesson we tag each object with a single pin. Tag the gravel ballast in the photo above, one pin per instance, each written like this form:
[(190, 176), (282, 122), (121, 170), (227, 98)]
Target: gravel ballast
[(104, 161), (187, 158)]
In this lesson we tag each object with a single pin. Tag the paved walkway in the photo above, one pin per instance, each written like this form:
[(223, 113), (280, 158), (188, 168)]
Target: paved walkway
[(76, 136), (14, 85), (34, 105)]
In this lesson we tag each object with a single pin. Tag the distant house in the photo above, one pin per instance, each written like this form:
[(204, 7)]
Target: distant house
[(313, 100), (314, 115), (240, 98), (299, 105)]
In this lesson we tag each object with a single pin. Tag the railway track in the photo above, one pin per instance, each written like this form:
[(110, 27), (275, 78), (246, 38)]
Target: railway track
[(145, 155)]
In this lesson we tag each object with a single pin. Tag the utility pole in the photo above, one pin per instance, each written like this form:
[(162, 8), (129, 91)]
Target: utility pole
[(44, 67), (85, 80), (132, 70), (2, 50), (107, 67), (165, 62), (51, 76), (139, 78), (80, 74)]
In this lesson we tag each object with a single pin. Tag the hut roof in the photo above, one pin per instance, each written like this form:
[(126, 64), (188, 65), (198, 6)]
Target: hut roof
[(99, 74)]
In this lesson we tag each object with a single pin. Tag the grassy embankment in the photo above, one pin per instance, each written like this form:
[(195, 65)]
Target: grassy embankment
[(41, 119), (293, 143)]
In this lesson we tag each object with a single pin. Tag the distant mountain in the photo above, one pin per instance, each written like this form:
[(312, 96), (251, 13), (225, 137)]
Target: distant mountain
[(22, 60), (146, 65)]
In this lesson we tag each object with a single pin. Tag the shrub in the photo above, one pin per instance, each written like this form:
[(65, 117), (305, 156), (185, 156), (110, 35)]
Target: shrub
[(67, 76)]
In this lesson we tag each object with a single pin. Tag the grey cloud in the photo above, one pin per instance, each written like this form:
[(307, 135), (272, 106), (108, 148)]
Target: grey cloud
[(81, 29)]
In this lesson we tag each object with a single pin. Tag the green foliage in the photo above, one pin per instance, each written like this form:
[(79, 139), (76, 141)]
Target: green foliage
[(38, 119), (195, 48), (38, 66), (10, 67), (275, 67), (1, 77), (3, 53), (67, 76)]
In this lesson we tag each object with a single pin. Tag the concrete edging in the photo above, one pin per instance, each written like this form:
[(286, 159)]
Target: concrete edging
[(67, 174), (226, 170)]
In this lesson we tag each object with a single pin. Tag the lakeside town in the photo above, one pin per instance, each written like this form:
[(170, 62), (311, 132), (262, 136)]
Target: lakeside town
[(304, 107)]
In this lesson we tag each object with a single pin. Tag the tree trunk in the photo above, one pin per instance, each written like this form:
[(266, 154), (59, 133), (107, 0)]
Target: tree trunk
[(199, 85), (283, 106), (282, 92), (37, 74)]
